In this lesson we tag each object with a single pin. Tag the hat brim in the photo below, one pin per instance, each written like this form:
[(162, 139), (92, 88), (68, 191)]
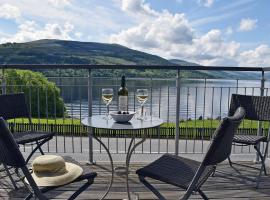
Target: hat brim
[(73, 171)]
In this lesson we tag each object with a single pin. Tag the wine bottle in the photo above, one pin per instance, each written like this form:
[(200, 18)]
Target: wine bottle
[(123, 95)]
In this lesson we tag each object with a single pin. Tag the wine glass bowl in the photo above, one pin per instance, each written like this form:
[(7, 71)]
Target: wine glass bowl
[(142, 96), (107, 96)]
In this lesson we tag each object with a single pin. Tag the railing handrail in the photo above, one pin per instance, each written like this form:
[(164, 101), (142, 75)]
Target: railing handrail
[(166, 67), (177, 68)]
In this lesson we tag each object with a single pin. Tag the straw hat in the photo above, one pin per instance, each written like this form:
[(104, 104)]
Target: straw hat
[(51, 170)]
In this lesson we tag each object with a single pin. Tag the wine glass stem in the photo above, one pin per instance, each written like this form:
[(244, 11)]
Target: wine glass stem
[(108, 110), (142, 111)]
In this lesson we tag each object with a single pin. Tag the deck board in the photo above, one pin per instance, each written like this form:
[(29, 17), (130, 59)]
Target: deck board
[(226, 184)]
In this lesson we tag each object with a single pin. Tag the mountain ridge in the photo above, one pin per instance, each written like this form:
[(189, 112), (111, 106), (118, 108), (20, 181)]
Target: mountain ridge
[(52, 51), (65, 51)]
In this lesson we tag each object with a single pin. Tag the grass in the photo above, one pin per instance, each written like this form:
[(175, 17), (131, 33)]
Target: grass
[(214, 123), (66, 121), (184, 124)]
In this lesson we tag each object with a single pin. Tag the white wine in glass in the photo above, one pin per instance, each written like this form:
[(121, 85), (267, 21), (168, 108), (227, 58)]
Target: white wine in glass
[(142, 96), (107, 96)]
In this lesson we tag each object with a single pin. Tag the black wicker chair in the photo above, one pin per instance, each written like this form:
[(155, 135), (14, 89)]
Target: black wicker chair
[(14, 106), (10, 155), (257, 108), (190, 174)]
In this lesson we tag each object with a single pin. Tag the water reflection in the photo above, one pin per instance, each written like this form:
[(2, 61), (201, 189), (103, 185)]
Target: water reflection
[(198, 99)]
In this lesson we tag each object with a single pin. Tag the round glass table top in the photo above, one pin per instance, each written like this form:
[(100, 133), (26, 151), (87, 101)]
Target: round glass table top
[(98, 121)]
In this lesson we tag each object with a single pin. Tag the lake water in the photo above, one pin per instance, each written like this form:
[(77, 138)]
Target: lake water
[(198, 98)]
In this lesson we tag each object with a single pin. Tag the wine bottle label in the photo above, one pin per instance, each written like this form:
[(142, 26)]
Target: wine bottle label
[(123, 103)]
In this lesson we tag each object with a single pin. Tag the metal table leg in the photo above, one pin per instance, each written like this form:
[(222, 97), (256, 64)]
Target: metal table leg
[(111, 162), (129, 154)]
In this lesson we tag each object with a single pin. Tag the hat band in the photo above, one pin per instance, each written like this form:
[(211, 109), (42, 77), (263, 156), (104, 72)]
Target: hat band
[(59, 171)]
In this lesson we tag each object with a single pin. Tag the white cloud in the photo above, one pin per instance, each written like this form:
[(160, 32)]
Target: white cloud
[(78, 34), (60, 3), (260, 57), (158, 33), (30, 30), (206, 3), (92, 18), (172, 36), (138, 7), (8, 11), (213, 44), (208, 49), (247, 24), (139, 26)]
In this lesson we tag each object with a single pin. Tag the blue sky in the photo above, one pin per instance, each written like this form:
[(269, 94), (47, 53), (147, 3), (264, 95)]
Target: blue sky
[(209, 32)]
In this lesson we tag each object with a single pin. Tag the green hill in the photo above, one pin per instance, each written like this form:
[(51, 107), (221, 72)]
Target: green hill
[(50, 51), (73, 52)]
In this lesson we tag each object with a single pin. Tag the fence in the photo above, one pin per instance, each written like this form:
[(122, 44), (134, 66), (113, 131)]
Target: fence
[(195, 104)]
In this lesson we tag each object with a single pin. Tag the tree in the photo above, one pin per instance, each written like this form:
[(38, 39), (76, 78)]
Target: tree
[(43, 96)]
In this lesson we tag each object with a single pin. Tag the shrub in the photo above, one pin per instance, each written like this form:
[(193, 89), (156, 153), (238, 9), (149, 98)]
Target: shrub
[(43, 96)]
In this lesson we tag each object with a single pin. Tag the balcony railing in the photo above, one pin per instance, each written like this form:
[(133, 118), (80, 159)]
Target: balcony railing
[(190, 108)]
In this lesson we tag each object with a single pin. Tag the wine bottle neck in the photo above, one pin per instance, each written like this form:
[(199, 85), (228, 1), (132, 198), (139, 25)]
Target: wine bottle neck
[(123, 82)]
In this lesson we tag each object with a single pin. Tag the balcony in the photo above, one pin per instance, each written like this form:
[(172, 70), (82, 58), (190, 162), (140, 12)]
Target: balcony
[(222, 186), (195, 105)]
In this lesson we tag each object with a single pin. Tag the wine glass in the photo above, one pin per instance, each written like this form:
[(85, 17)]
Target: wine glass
[(107, 96), (142, 96)]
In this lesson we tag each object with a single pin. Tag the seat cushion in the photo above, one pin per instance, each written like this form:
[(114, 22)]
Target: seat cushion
[(171, 169), (248, 139), (27, 137)]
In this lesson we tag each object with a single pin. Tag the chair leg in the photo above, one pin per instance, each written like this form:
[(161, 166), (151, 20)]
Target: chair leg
[(194, 182), (202, 194), (262, 158), (263, 168), (10, 177), (265, 154), (39, 144), (230, 162), (214, 171), (151, 188), (39, 147), (33, 185), (81, 189)]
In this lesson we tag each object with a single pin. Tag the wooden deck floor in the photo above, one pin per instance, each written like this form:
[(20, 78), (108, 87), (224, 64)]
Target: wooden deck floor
[(224, 185)]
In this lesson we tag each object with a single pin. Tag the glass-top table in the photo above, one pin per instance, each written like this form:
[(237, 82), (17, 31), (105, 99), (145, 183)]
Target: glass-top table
[(98, 122)]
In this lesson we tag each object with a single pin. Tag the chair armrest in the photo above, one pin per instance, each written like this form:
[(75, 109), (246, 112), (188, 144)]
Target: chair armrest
[(86, 176)]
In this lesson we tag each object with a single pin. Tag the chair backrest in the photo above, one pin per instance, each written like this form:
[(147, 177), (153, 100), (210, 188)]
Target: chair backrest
[(220, 147), (13, 106), (256, 107), (9, 150), (218, 151)]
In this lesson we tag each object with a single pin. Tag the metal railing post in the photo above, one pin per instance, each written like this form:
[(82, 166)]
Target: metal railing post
[(90, 102), (259, 130), (4, 84), (177, 118)]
